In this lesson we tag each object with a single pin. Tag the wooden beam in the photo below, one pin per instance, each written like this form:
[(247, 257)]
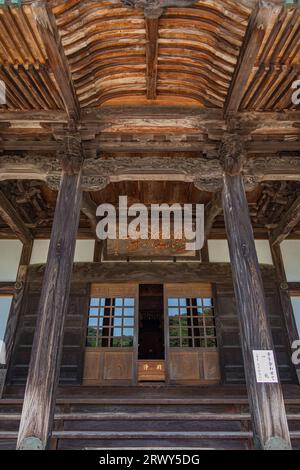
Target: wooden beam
[(287, 223), (149, 272), (266, 402), (285, 299), (151, 56), (31, 116), (212, 210), (16, 306), (89, 208), (40, 394), (13, 220), (48, 30), (260, 19)]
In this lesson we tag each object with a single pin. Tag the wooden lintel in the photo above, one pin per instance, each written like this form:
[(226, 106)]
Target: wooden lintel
[(143, 272), (48, 30), (13, 220), (287, 223), (151, 56), (259, 20), (31, 116)]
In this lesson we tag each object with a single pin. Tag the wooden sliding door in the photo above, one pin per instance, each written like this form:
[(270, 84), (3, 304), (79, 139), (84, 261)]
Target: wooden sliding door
[(190, 335), (111, 340)]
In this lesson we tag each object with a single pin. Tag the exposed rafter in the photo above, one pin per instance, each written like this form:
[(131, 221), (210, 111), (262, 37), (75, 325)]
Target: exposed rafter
[(287, 223), (13, 220), (151, 56), (259, 21), (56, 56)]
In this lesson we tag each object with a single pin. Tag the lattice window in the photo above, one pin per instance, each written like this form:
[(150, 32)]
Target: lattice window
[(191, 322), (111, 322)]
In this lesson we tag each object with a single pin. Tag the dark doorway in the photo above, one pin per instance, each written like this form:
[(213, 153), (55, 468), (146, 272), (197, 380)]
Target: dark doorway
[(151, 321)]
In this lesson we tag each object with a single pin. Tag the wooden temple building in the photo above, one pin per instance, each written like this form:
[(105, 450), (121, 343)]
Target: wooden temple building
[(137, 344)]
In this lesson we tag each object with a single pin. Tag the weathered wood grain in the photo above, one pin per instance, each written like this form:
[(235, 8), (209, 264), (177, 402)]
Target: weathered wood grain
[(17, 304), (266, 401), (47, 28), (286, 304), (10, 215), (39, 400), (144, 272), (151, 56), (287, 223)]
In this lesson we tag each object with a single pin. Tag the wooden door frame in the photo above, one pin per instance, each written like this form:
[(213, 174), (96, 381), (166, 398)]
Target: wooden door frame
[(167, 329), (134, 349)]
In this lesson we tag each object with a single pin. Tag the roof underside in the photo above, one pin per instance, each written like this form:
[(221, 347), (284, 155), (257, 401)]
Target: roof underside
[(105, 46)]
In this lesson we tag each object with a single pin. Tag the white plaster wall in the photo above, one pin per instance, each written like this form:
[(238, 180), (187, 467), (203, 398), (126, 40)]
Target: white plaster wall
[(219, 252), (84, 251), (10, 254), (263, 251), (290, 250), (5, 302)]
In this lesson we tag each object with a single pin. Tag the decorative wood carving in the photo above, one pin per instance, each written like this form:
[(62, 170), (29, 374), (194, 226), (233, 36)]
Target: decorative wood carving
[(205, 173), (232, 154)]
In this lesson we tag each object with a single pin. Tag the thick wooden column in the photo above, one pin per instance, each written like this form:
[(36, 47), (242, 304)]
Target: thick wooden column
[(15, 309), (285, 299), (39, 400), (265, 399)]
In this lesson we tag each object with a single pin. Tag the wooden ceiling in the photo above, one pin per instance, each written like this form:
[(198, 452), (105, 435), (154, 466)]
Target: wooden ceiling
[(117, 56), (34, 203), (166, 85)]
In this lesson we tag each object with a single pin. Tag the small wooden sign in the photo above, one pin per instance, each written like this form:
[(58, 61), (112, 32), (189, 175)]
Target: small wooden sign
[(265, 367), (151, 371)]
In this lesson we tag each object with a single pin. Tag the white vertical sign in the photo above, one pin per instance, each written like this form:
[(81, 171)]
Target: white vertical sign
[(265, 367)]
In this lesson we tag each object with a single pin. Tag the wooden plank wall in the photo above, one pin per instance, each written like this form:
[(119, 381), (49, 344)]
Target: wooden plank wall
[(74, 336), (232, 368)]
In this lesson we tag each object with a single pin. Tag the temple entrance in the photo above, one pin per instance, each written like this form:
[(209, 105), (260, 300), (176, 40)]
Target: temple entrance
[(151, 348)]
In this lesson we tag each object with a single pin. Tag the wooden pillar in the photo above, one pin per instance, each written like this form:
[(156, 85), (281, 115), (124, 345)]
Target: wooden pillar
[(266, 402), (285, 299), (15, 309), (39, 401)]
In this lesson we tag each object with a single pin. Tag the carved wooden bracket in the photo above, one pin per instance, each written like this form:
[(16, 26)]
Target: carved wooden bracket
[(70, 153), (155, 8), (232, 154), (206, 174)]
